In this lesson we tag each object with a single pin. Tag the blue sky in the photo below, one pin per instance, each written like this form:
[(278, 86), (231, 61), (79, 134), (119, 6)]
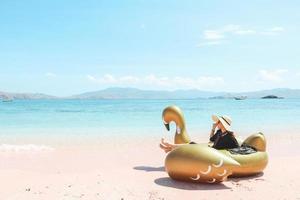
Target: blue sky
[(68, 47)]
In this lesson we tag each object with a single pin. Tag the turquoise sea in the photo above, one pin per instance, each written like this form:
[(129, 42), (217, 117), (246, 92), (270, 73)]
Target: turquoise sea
[(90, 117)]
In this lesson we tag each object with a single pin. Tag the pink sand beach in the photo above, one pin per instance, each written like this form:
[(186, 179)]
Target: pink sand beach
[(133, 168)]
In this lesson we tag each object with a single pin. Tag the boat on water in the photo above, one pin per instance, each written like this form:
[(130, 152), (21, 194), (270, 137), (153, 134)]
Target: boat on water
[(7, 99), (240, 98)]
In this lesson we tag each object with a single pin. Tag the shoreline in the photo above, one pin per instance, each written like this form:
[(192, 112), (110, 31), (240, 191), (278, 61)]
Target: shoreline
[(61, 137)]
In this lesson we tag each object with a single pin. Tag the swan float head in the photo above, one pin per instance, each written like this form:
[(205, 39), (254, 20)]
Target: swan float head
[(174, 114)]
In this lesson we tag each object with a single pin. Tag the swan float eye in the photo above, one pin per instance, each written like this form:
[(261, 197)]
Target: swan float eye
[(178, 130)]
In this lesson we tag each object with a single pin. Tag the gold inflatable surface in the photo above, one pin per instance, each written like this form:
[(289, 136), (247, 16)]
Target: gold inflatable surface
[(202, 163)]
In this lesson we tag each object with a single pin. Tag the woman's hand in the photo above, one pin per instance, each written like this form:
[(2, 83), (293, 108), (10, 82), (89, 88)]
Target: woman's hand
[(213, 129), (214, 126)]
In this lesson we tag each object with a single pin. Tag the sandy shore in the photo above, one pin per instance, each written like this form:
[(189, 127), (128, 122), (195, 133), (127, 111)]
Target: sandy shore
[(133, 169)]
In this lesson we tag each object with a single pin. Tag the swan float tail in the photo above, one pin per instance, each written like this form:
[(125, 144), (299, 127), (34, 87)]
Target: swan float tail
[(257, 141)]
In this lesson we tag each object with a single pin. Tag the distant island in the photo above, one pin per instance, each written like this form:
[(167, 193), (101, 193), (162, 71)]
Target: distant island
[(8, 95), (134, 93), (272, 97)]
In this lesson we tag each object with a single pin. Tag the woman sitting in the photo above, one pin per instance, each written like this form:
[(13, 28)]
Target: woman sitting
[(223, 138)]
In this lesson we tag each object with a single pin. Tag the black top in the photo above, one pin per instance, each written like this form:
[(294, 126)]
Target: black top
[(224, 140)]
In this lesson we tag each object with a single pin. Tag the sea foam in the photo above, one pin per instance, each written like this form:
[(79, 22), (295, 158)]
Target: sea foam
[(25, 148)]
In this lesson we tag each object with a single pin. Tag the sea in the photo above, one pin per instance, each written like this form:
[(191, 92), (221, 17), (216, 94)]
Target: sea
[(142, 117)]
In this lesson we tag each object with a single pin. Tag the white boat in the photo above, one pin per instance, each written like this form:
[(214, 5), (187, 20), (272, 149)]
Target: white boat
[(7, 99), (240, 98)]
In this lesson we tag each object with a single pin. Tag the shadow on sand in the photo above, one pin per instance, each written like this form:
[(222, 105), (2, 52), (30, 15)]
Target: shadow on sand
[(255, 177), (168, 182), (150, 169)]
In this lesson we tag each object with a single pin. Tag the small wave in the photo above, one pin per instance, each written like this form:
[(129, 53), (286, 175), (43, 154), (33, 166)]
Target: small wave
[(24, 148), (70, 111)]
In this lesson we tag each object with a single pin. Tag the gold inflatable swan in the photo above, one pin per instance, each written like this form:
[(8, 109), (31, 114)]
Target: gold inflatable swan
[(202, 163)]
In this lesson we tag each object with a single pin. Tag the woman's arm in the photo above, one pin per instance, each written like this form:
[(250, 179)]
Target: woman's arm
[(212, 132)]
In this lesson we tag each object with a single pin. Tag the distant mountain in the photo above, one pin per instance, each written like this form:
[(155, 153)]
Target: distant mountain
[(133, 93), (280, 92), (5, 95)]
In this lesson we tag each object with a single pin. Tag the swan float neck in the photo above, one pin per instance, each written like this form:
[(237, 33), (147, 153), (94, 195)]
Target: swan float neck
[(174, 114)]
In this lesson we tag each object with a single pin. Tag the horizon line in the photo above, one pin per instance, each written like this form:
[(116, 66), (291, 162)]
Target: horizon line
[(153, 90)]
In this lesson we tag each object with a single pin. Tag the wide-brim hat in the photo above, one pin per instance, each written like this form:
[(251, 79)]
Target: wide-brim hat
[(225, 120)]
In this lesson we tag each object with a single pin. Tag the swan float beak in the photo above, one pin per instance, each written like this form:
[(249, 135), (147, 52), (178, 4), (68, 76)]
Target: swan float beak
[(167, 126)]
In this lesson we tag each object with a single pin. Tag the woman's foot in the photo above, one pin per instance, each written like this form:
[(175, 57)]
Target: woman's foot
[(166, 146)]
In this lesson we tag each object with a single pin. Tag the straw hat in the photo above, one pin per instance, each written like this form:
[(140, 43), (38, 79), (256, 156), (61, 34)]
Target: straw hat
[(225, 120)]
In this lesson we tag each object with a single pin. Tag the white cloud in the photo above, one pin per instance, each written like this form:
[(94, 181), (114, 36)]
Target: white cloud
[(50, 75), (272, 75), (230, 28), (277, 29), (129, 79), (237, 30), (160, 81), (213, 35), (273, 31), (217, 36), (183, 82), (91, 78), (154, 80), (245, 32), (222, 32), (210, 43), (110, 79)]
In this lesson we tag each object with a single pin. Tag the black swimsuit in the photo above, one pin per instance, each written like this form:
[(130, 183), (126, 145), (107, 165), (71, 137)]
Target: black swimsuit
[(224, 140)]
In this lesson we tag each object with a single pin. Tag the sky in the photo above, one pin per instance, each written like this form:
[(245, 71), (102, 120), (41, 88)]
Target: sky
[(69, 47)]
